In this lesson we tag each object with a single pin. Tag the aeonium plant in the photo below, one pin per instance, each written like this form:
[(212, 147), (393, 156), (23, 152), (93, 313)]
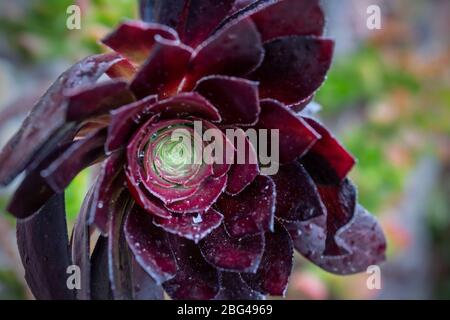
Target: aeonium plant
[(160, 216)]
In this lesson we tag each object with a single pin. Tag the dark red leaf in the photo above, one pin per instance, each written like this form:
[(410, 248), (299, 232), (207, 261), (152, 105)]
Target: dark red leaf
[(135, 40), (194, 19), (125, 121), (122, 69), (245, 168), (276, 265), (203, 199), (149, 245), (195, 278), (163, 71), (232, 254), (119, 264), (251, 211), (144, 287), (234, 51), (293, 67), (44, 124), (235, 98), (362, 237), (110, 181), (44, 250), (296, 136), (100, 287), (81, 247), (290, 17), (191, 226), (297, 195), (340, 202), (327, 162), (78, 156), (232, 287), (96, 99)]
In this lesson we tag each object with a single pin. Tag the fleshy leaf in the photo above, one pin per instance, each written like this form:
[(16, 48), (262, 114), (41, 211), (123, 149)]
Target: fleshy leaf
[(44, 249), (135, 40), (100, 287), (251, 211), (191, 226), (81, 247), (203, 199), (125, 120), (78, 156), (276, 264), (236, 99), (296, 136), (144, 287), (232, 287), (163, 71), (149, 245), (293, 67), (297, 195), (193, 19), (195, 278), (232, 254), (110, 181), (96, 99), (119, 266), (290, 17), (327, 162), (340, 202), (234, 51), (362, 237), (244, 170), (42, 129)]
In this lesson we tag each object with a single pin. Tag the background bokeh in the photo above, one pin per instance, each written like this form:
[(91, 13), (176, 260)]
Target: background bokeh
[(387, 97)]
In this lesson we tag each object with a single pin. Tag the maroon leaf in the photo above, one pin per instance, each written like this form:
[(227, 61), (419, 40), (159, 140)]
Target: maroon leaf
[(290, 17), (194, 19), (122, 69), (96, 99), (235, 51), (276, 265), (236, 99), (119, 264), (297, 195), (195, 278), (232, 287), (44, 250), (81, 247), (136, 39), (293, 67), (232, 254), (191, 226), (149, 245), (33, 192), (296, 136), (163, 71), (78, 156), (244, 170), (362, 237), (100, 287), (340, 202), (125, 121), (327, 162), (144, 287), (109, 182), (203, 199), (251, 211), (184, 105), (44, 124)]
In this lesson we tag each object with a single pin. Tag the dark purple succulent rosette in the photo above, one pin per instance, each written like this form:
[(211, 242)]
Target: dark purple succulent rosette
[(192, 229)]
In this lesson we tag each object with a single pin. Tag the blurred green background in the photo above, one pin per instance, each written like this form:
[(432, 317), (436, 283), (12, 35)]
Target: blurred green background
[(387, 97)]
